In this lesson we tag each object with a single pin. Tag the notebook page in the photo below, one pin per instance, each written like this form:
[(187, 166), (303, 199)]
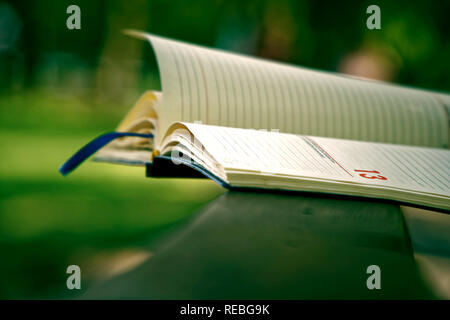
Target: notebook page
[(220, 88), (420, 170)]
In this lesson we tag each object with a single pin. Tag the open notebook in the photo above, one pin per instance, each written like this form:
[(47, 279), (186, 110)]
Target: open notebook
[(247, 122)]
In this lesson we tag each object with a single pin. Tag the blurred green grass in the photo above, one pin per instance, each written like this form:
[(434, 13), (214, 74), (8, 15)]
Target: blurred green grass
[(46, 220)]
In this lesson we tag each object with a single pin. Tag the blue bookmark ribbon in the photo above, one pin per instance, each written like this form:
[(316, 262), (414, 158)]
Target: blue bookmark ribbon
[(93, 146)]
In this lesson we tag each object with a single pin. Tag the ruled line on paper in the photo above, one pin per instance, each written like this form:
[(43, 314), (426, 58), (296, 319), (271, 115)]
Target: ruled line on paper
[(206, 90), (233, 88)]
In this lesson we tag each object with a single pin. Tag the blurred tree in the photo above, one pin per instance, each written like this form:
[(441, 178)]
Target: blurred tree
[(413, 41), (112, 78)]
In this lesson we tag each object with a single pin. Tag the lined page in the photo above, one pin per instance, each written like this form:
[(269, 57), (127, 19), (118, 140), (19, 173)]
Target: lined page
[(220, 88), (387, 166)]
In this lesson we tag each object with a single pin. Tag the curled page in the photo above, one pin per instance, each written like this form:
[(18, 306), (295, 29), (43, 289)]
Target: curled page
[(220, 88)]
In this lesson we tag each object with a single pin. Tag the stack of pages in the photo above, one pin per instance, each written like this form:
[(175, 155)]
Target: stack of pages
[(251, 123)]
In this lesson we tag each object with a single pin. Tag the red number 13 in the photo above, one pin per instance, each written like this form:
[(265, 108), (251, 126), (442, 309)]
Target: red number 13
[(371, 176)]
